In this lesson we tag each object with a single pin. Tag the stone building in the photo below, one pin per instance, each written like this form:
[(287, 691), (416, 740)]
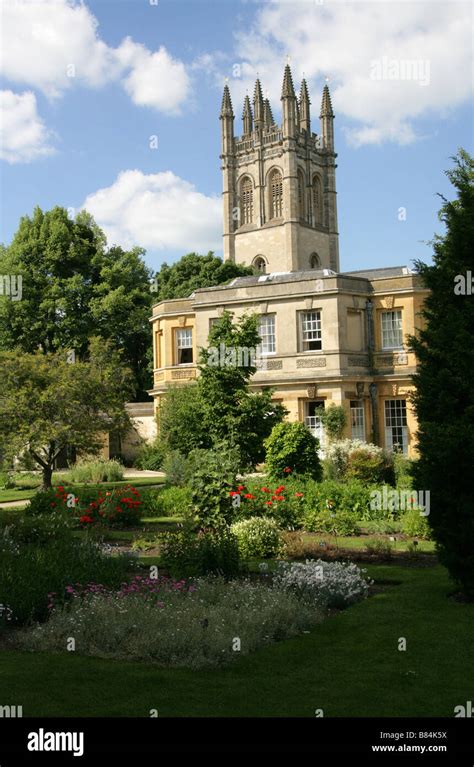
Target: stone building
[(327, 336)]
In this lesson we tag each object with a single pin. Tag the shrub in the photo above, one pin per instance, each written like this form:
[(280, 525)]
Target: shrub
[(403, 468), (284, 504), (258, 537), (380, 548), (291, 448), (151, 456), (31, 572), (119, 507), (46, 502), (325, 584), (212, 481), (337, 523), (370, 466), (355, 459), (40, 529), (185, 554), (6, 480), (415, 524), (334, 419), (166, 502), (177, 626), (95, 471), (348, 501), (175, 468)]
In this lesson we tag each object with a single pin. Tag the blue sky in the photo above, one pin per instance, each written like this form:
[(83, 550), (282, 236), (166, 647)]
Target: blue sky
[(141, 71)]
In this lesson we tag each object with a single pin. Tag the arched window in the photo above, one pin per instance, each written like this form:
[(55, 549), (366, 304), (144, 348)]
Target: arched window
[(276, 194), (314, 261), (246, 201), (260, 265), (301, 195), (317, 201)]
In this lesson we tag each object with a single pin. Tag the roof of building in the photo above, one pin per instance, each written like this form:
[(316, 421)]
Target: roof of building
[(310, 274)]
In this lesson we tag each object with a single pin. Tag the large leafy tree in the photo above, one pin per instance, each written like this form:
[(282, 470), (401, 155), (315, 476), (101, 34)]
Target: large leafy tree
[(48, 403), (75, 287), (444, 398), (220, 406), (194, 271)]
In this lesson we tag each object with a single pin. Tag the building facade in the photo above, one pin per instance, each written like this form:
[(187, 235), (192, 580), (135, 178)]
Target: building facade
[(327, 336)]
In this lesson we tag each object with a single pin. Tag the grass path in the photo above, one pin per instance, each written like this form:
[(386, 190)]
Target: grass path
[(349, 666)]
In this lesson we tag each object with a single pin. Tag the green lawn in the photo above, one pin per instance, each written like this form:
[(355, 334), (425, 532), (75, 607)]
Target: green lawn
[(348, 666)]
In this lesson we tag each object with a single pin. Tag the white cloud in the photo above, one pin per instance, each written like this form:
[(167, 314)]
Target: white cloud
[(158, 211), (23, 136), (53, 44), (343, 40)]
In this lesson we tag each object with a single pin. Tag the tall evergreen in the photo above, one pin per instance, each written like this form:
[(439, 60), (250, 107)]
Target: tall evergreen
[(444, 397)]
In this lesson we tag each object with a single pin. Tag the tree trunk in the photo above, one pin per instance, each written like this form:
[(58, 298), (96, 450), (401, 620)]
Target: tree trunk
[(47, 477)]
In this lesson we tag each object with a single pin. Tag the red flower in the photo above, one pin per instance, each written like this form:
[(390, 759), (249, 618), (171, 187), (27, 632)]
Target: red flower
[(268, 503), (240, 487), (299, 495), (279, 489), (279, 497), (287, 470), (234, 492), (86, 519), (249, 495), (264, 489)]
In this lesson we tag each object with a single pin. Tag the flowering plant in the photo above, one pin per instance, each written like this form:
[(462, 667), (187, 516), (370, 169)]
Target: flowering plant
[(120, 507), (282, 503), (326, 584)]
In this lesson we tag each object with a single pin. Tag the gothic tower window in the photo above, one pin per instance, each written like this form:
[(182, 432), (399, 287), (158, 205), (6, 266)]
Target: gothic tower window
[(246, 201), (260, 264), (301, 194), (314, 261), (276, 194), (317, 201)]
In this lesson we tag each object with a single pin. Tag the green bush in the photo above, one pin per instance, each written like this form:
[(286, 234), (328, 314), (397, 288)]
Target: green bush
[(166, 502), (212, 482), (415, 524), (40, 529), (44, 502), (327, 521), (403, 469), (258, 537), (283, 503), (151, 456), (95, 471), (31, 572), (6, 480), (175, 466), (334, 419), (346, 497), (370, 466), (186, 554), (292, 449)]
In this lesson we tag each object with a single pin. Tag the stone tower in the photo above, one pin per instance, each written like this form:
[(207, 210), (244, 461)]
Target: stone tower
[(279, 198)]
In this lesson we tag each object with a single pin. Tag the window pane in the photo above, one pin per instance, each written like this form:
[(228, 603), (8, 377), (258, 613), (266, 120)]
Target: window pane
[(392, 334), (311, 331), (396, 434), (267, 334), (184, 346), (313, 419), (357, 420)]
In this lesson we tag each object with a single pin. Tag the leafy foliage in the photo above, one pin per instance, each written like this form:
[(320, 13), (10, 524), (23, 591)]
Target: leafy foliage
[(291, 448), (74, 287), (48, 404), (334, 420), (258, 537), (192, 272), (214, 551), (444, 396)]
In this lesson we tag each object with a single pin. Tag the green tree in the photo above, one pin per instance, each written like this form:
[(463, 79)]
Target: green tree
[(232, 410), (292, 449), (444, 396), (194, 271), (180, 419), (47, 403), (334, 420), (73, 288)]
